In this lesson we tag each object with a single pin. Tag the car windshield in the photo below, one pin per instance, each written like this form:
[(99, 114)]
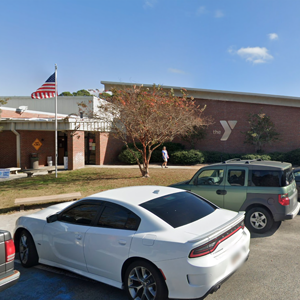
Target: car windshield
[(180, 208)]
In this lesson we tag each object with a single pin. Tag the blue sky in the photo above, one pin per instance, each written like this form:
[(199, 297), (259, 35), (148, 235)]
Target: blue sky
[(234, 45)]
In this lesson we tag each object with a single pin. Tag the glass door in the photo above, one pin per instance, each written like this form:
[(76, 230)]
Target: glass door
[(90, 148)]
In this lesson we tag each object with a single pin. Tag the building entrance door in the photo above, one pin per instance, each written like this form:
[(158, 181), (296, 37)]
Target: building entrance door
[(90, 148), (62, 141)]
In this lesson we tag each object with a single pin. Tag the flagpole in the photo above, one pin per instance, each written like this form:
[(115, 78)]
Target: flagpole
[(56, 120)]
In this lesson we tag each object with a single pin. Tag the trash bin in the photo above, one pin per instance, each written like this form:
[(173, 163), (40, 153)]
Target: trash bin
[(34, 160), (49, 161), (66, 162)]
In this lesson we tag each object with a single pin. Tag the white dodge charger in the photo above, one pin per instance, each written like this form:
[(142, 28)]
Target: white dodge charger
[(155, 242)]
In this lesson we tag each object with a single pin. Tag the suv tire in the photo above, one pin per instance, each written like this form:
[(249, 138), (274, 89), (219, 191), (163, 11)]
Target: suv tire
[(258, 220)]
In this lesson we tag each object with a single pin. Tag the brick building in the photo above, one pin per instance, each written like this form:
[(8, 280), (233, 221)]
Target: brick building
[(230, 113), (28, 130), (28, 127)]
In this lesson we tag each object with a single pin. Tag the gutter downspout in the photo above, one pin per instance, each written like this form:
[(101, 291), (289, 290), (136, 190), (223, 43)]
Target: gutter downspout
[(13, 129)]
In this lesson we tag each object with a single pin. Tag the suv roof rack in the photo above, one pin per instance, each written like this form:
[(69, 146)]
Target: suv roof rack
[(229, 160), (238, 159)]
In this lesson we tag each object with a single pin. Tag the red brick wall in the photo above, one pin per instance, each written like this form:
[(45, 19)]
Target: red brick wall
[(8, 150), (46, 138), (286, 120), (110, 148), (75, 150)]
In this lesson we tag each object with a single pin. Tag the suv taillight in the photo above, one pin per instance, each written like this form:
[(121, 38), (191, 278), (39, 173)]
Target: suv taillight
[(10, 250), (284, 199), (212, 245)]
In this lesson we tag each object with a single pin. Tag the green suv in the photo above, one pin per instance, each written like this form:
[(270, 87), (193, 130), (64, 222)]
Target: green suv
[(266, 190)]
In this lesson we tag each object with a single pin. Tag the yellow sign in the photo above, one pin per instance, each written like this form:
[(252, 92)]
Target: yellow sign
[(37, 144)]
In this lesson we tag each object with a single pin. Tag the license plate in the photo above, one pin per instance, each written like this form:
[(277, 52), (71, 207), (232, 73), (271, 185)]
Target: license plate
[(235, 258)]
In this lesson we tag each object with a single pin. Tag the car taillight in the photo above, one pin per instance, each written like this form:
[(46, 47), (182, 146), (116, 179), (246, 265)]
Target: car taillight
[(10, 250), (284, 199), (213, 244)]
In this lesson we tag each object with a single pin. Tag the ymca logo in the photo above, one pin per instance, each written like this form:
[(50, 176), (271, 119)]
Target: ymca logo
[(228, 127)]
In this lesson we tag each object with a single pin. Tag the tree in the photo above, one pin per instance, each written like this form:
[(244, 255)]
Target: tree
[(68, 94), (195, 134), (78, 93), (150, 116), (262, 131), (82, 93)]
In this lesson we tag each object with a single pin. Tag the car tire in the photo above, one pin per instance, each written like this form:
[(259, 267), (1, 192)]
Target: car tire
[(27, 250), (144, 281), (258, 220)]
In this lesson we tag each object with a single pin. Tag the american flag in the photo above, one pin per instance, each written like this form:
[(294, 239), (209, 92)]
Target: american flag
[(47, 90)]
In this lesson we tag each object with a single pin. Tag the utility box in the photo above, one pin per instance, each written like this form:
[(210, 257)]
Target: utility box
[(34, 160)]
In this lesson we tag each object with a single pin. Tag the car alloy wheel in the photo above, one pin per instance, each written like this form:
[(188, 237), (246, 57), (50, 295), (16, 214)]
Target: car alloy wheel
[(23, 248), (141, 284), (27, 251), (259, 220), (143, 281)]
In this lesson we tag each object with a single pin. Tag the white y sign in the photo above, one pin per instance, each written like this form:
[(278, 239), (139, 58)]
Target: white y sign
[(228, 127)]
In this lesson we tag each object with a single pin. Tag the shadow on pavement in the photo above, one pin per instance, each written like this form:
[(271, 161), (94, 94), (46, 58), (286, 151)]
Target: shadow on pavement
[(273, 229)]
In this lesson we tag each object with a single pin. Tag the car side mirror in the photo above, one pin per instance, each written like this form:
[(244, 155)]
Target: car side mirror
[(52, 218)]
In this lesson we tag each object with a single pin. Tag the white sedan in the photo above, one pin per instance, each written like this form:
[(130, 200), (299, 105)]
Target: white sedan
[(155, 242)]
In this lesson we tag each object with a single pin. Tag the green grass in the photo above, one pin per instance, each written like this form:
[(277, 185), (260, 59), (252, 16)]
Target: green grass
[(87, 181)]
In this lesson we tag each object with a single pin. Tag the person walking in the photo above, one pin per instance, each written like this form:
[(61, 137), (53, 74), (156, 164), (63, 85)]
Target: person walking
[(165, 157)]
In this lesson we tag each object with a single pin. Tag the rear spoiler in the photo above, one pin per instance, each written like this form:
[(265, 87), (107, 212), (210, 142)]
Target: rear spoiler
[(216, 231)]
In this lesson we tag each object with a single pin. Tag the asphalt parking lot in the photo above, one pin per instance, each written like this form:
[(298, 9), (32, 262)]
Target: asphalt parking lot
[(272, 272)]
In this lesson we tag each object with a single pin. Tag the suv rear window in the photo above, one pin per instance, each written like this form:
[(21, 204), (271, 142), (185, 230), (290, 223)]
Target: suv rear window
[(180, 208), (272, 178)]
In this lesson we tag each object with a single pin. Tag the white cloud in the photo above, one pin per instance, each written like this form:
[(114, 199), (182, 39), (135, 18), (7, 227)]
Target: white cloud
[(219, 14), (273, 36), (256, 55), (176, 71), (201, 10), (149, 3)]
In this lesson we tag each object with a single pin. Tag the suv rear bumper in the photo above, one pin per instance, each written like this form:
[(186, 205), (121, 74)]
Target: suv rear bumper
[(294, 213), (9, 280)]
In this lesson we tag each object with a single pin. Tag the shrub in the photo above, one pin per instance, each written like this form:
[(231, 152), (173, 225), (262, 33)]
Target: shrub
[(214, 156), (279, 156), (293, 157), (127, 157), (156, 154), (190, 157)]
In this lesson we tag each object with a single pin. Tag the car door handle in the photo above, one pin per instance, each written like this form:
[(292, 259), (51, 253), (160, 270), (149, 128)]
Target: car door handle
[(122, 242), (221, 192), (78, 237)]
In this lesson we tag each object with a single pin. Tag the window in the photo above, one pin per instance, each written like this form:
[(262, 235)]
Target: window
[(180, 208), (236, 177), (210, 177), (118, 217), (287, 177), (82, 214), (272, 178)]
